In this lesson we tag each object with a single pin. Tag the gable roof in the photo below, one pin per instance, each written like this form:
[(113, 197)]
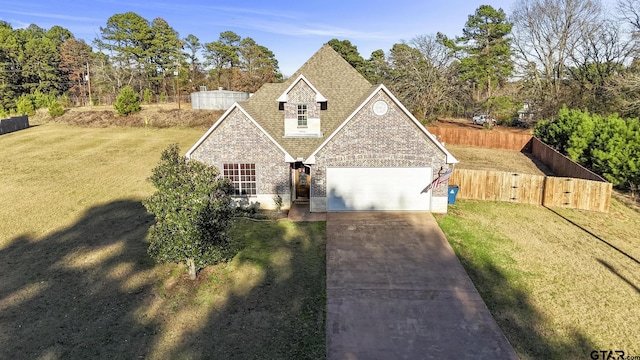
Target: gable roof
[(285, 95), (342, 86), (450, 159), (334, 80), (287, 157)]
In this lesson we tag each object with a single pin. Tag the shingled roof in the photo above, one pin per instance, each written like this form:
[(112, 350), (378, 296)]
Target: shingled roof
[(333, 77)]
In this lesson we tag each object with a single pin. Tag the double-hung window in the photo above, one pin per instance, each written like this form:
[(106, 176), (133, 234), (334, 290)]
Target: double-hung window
[(302, 115), (243, 178)]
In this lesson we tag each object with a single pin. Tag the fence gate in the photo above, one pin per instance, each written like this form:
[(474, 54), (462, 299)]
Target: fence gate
[(532, 189)]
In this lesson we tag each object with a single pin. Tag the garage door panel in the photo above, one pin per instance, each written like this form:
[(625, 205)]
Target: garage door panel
[(370, 189)]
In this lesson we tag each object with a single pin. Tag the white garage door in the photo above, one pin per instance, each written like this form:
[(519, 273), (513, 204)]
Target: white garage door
[(370, 189)]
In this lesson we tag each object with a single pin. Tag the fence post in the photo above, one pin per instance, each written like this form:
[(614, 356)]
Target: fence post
[(544, 191)]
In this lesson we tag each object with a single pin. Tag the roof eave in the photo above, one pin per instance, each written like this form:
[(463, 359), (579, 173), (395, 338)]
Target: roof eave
[(285, 98), (287, 156), (449, 158)]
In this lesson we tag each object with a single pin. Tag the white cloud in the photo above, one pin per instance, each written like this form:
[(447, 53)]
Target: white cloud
[(300, 29), (253, 11), (52, 16)]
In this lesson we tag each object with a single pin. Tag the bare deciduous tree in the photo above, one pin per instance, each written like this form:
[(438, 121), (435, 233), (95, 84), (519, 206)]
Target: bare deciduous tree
[(449, 94), (546, 35), (595, 62), (629, 10), (433, 50), (426, 89)]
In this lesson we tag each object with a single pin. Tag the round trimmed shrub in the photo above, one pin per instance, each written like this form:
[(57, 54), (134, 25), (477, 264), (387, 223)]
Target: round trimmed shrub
[(127, 101)]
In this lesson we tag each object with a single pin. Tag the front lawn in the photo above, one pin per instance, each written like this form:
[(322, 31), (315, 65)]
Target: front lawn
[(76, 281), (267, 303), (561, 283), (477, 158)]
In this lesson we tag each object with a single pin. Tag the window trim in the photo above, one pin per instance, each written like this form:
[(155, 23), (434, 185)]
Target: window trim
[(303, 115), (243, 177)]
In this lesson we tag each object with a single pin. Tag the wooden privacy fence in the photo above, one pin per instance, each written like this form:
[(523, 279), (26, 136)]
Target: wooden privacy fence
[(577, 193), (485, 139), (560, 164), (498, 186), (579, 187), (532, 189), (14, 124)]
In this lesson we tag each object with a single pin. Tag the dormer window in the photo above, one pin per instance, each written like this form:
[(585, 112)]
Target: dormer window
[(302, 115), (301, 104)]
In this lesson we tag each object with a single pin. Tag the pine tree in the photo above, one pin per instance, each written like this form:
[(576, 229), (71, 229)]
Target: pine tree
[(127, 101)]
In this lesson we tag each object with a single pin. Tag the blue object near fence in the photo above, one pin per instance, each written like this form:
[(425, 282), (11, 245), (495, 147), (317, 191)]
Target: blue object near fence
[(453, 191)]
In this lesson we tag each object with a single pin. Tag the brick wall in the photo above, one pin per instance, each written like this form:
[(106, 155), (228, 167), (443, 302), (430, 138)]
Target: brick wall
[(370, 140), (238, 140), (301, 93)]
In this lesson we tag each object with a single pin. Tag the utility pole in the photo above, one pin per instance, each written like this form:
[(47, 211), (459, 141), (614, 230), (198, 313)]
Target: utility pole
[(89, 85), (176, 73)]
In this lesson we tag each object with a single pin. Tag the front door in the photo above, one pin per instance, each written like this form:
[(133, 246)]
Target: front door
[(303, 181)]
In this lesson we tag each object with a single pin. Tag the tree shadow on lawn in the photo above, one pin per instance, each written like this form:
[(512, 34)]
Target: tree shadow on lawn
[(74, 293), (89, 291), (613, 270), (281, 315), (595, 236), (528, 331)]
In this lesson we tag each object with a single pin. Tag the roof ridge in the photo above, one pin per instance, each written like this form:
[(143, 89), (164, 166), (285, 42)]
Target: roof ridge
[(333, 77), (326, 49)]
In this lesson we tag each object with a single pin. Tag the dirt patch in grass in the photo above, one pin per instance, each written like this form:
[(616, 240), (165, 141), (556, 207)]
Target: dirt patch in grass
[(76, 281), (560, 282), (150, 116), (467, 124), (476, 158)]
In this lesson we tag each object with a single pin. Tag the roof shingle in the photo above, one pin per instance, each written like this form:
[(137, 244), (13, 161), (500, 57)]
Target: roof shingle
[(333, 77)]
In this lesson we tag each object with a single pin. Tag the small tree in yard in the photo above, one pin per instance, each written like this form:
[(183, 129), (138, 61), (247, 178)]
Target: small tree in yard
[(127, 101), (25, 105), (193, 212), (56, 109)]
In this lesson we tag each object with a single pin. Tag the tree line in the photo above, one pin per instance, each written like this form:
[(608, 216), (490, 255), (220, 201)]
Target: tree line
[(38, 65), (541, 56), (607, 144), (568, 66)]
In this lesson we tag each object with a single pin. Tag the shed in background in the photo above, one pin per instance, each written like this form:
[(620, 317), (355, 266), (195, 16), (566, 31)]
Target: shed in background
[(217, 99)]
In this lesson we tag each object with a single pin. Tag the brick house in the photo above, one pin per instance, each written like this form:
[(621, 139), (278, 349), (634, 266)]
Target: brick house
[(329, 138)]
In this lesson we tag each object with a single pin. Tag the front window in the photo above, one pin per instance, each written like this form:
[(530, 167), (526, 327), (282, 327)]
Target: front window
[(302, 115), (243, 178)]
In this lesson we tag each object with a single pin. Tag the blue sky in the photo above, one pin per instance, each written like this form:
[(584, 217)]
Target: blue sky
[(293, 30)]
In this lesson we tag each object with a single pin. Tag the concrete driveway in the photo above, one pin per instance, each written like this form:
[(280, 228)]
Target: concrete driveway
[(395, 290)]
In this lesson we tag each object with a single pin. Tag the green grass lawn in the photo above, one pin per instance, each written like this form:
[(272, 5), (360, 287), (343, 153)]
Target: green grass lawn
[(76, 282), (560, 282)]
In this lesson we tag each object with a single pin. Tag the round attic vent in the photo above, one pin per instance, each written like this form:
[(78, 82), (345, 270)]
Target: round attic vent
[(380, 107)]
